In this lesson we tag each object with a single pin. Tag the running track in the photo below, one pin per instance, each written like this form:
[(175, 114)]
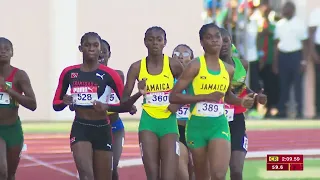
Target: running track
[(48, 156)]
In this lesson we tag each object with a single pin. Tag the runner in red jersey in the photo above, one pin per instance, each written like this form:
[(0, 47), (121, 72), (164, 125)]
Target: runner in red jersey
[(90, 82), (15, 89)]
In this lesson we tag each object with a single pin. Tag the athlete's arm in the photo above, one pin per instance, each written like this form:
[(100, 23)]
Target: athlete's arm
[(245, 64), (62, 88), (176, 96), (132, 76), (115, 82), (28, 99), (231, 98)]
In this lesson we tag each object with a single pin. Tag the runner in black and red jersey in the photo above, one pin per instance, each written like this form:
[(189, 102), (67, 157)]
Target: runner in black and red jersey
[(235, 114), (90, 82), (15, 89)]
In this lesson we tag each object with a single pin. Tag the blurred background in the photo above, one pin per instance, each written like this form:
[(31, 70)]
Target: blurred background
[(46, 34)]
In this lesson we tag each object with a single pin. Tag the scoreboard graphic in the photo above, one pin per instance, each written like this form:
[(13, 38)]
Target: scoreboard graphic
[(282, 162)]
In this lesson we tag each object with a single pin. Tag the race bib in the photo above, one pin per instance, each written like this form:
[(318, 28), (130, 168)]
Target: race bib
[(113, 99), (157, 98), (229, 112), (245, 143), (4, 98), (210, 109), (84, 95), (183, 112)]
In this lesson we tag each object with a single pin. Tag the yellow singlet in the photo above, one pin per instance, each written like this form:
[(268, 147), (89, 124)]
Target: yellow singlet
[(206, 82), (156, 100)]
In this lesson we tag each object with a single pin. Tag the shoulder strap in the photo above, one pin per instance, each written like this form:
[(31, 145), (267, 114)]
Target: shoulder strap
[(12, 74)]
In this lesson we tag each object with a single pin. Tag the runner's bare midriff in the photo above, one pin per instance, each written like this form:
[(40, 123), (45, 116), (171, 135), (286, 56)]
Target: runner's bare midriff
[(89, 114), (8, 116)]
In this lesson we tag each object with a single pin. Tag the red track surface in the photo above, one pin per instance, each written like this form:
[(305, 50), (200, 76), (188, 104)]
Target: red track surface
[(48, 156)]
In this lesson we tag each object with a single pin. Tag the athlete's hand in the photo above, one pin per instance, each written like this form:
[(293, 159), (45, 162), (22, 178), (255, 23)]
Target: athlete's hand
[(3, 83), (71, 107), (173, 108), (67, 99), (262, 98), (214, 97), (100, 107), (142, 86), (248, 101), (133, 110)]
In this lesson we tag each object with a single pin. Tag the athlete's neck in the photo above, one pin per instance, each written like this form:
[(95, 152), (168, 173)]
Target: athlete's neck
[(227, 59), (156, 59), (4, 67), (90, 65)]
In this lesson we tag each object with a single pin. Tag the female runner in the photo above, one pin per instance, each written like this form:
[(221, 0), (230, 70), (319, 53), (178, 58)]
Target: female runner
[(158, 130), (15, 89), (90, 138), (235, 115), (207, 131), (184, 54)]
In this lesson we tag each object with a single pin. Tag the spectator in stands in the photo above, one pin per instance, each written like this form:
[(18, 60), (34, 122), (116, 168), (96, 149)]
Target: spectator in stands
[(266, 50), (314, 47), (249, 51), (289, 58)]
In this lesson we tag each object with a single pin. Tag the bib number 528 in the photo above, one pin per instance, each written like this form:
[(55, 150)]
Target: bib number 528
[(84, 97)]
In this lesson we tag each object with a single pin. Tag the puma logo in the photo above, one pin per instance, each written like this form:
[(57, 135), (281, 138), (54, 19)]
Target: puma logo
[(109, 146), (99, 75), (224, 78), (227, 134), (203, 77), (166, 76)]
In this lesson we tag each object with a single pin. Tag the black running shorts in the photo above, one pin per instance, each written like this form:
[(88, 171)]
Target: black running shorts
[(239, 140), (97, 132)]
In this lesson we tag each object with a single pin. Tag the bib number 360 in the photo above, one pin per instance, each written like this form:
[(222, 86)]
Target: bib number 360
[(159, 98)]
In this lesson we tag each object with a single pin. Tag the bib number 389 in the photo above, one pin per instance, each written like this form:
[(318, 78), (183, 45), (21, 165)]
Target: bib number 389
[(210, 109)]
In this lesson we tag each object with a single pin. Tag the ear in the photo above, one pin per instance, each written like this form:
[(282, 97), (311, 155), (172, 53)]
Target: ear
[(109, 55), (165, 42), (80, 48)]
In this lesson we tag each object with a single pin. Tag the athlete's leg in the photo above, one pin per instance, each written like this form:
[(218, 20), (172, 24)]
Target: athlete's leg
[(191, 167), (239, 143), (102, 164), (169, 153), (236, 164), (82, 154), (3, 160), (13, 159), (219, 149), (200, 162), (81, 148), (183, 162), (102, 152), (14, 147), (149, 145), (183, 172), (118, 140)]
